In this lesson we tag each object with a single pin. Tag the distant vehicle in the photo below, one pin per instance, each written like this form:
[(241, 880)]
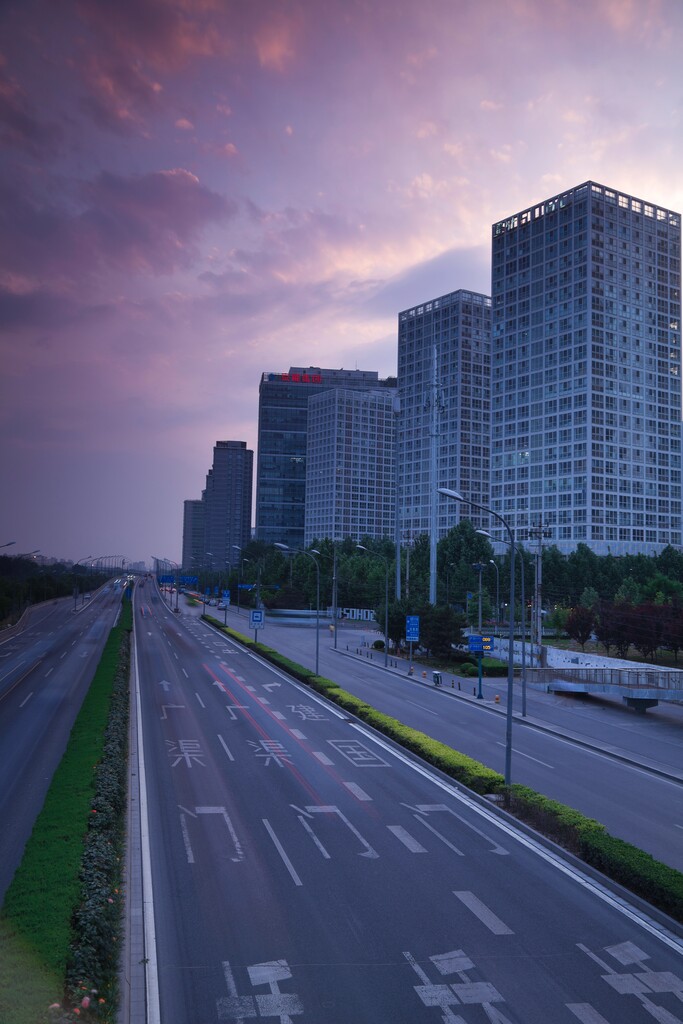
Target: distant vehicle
[(212, 603), (221, 606)]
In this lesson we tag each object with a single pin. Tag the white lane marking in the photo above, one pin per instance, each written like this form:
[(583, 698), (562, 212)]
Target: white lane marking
[(406, 838), (278, 846), (422, 708), (186, 839), (298, 734), (279, 715), (225, 747), (528, 756), (201, 702), (262, 700), (26, 699), (480, 910), (62, 655), (323, 758), (356, 791), (185, 674), (48, 671)]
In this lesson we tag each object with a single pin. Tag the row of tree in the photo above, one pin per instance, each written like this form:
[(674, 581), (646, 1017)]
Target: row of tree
[(581, 579), (24, 582)]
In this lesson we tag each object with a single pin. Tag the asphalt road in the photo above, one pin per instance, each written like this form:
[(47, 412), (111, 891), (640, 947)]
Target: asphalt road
[(624, 769), (301, 867), (46, 666)]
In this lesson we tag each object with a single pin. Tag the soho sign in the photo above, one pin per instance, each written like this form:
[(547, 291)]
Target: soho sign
[(358, 614)]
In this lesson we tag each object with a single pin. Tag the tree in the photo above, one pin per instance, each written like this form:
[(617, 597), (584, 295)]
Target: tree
[(580, 624), (440, 629)]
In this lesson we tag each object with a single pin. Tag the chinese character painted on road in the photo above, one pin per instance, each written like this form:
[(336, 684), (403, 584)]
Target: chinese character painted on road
[(271, 750), (188, 751), (308, 713)]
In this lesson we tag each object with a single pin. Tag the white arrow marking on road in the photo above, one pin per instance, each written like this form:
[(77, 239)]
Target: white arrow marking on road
[(165, 707), (331, 809), (165, 684), (270, 686)]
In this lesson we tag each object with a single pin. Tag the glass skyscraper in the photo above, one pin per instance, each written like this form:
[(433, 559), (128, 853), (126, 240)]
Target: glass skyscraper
[(282, 439), (444, 371), (586, 372), (351, 462)]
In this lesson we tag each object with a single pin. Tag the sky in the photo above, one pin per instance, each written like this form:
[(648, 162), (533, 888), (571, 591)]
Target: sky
[(195, 192)]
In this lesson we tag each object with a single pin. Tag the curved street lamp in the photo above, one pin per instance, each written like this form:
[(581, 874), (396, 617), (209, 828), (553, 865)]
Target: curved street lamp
[(311, 554), (456, 496), (386, 600)]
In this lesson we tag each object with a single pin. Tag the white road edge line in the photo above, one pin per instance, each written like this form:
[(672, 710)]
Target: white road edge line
[(151, 967)]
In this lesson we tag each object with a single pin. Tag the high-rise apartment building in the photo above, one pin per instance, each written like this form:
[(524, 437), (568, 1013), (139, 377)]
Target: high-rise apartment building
[(193, 535), (444, 373), (350, 465), (221, 521), (282, 440), (586, 372)]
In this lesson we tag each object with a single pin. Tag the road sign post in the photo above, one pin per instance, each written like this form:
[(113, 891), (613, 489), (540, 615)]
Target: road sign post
[(412, 636), (479, 645), (256, 621)]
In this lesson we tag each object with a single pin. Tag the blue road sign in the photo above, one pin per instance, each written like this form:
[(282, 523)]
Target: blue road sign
[(256, 618), (413, 629)]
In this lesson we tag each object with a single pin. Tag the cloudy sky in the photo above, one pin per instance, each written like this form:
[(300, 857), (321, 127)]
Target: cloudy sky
[(193, 192)]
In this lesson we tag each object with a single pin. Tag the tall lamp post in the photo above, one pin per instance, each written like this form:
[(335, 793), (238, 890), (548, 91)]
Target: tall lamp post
[(456, 496), (495, 566), (386, 602), (311, 554), (236, 547)]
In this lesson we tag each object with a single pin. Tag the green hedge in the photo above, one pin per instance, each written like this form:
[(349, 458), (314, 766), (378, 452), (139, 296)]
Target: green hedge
[(636, 870)]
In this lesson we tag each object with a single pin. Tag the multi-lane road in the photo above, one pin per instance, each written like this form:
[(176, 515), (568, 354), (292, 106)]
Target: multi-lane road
[(294, 865)]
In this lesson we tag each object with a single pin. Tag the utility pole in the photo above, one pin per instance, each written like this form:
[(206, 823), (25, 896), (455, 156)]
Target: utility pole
[(538, 533)]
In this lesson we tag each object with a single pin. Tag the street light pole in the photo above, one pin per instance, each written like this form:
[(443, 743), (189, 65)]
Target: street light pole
[(455, 496), (239, 575), (386, 602), (495, 566), (311, 554)]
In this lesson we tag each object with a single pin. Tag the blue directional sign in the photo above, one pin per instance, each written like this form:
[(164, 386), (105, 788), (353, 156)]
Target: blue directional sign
[(256, 618), (413, 629)]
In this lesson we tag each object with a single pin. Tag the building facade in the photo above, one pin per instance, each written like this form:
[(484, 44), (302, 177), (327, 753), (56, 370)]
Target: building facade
[(193, 535), (586, 372), (350, 465), (282, 445), (227, 500), (444, 393)]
